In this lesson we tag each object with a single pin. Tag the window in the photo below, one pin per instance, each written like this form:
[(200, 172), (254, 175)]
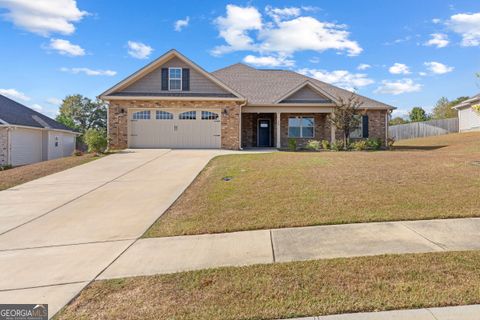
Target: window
[(301, 127), (189, 115), (163, 115), (207, 115), (141, 115), (357, 133), (174, 78)]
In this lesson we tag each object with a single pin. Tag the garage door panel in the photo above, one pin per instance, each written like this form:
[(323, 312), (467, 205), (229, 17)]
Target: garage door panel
[(177, 130), (26, 146)]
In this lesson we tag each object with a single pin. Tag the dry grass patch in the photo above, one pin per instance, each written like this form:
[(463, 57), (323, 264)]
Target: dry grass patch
[(288, 290), (13, 177), (429, 178)]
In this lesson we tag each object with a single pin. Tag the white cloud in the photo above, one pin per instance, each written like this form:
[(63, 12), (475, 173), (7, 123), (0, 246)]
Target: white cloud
[(36, 107), (243, 29), (139, 50), (180, 24), (398, 87), (43, 17), (439, 40), (436, 21), (363, 66), (234, 28), (341, 78), (89, 72), (278, 14), (423, 74), (65, 47), (54, 101), (468, 26), (437, 67), (399, 68), (269, 61), (14, 94)]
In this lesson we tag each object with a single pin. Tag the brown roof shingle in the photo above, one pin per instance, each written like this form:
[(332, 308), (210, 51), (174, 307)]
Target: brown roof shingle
[(260, 86)]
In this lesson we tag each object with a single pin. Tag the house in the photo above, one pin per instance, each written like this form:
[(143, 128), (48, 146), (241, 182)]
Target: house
[(174, 103), (468, 118), (27, 136)]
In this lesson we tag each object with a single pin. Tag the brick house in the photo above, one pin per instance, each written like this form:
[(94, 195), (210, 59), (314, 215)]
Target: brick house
[(174, 103)]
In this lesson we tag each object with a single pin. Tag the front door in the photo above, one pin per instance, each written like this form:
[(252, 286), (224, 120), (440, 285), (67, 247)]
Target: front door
[(264, 133)]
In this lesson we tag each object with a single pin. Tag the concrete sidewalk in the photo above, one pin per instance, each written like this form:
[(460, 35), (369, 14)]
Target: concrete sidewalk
[(175, 254), (471, 312)]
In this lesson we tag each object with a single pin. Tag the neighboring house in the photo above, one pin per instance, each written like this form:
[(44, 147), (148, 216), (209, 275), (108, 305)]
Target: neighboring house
[(27, 136), (174, 103), (468, 119)]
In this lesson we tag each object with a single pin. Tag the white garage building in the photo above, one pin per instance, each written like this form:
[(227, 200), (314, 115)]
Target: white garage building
[(468, 118), (27, 136)]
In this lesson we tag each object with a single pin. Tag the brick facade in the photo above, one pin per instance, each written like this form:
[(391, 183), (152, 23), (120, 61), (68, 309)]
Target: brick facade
[(250, 127), (3, 146), (118, 119), (377, 124), (322, 128)]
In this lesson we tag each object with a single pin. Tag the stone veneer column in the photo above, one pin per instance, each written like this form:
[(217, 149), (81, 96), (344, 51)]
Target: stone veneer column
[(278, 136)]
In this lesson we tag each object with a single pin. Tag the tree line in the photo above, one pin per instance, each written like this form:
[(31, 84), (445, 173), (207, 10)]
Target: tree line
[(442, 110)]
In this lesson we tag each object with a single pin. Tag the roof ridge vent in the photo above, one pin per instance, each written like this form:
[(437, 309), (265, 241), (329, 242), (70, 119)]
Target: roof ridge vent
[(40, 121)]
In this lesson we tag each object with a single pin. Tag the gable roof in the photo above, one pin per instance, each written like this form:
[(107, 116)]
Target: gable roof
[(322, 97), (467, 102), (112, 92), (265, 87), (14, 113)]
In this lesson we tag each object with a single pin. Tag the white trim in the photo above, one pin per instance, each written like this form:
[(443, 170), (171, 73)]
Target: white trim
[(3, 122), (169, 78), (159, 61), (13, 126), (301, 127), (142, 98), (301, 86), (269, 134), (287, 109)]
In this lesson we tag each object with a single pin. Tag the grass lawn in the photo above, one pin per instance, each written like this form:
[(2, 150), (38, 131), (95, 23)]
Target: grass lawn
[(288, 290), (18, 175), (425, 178)]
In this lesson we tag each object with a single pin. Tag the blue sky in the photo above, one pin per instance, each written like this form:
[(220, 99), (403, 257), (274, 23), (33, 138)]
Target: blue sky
[(405, 53)]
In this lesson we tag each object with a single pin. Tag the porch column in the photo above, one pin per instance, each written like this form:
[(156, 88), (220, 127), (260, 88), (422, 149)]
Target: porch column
[(332, 129), (278, 130)]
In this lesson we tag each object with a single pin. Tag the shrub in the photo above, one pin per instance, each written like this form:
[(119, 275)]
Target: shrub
[(313, 145), (6, 167), (390, 142), (292, 144), (374, 144), (77, 153), (337, 145), (96, 140), (325, 144), (359, 145), (476, 108)]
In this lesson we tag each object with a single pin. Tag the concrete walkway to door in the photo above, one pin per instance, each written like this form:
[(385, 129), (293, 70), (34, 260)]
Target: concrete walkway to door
[(174, 254), (60, 232)]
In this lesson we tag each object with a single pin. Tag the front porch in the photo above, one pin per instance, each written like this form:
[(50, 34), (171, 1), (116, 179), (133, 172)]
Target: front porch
[(274, 129)]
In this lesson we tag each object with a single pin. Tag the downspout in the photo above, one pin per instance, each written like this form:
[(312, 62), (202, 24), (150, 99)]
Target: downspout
[(9, 146), (240, 126)]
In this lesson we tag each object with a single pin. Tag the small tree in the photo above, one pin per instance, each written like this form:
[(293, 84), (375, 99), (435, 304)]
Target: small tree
[(418, 114), (397, 120), (346, 117), (96, 140)]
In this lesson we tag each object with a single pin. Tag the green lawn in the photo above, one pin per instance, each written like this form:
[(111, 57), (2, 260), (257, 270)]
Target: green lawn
[(286, 290), (425, 178)]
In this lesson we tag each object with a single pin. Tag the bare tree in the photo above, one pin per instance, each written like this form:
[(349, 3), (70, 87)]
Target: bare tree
[(346, 116)]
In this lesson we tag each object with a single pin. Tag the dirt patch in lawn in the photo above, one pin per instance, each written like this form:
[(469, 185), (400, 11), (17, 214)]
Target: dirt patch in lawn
[(288, 290), (13, 177), (288, 189)]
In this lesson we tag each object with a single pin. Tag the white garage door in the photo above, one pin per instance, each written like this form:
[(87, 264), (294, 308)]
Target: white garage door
[(175, 128), (26, 146)]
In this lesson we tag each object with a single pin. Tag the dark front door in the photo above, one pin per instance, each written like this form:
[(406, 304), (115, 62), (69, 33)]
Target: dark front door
[(264, 133)]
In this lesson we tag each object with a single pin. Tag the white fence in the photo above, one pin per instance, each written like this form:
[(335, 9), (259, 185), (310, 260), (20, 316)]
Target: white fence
[(423, 129)]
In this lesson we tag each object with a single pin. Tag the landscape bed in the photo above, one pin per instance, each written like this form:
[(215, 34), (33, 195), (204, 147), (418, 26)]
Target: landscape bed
[(288, 290)]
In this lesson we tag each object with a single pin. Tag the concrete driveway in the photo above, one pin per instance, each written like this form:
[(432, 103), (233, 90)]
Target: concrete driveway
[(60, 232)]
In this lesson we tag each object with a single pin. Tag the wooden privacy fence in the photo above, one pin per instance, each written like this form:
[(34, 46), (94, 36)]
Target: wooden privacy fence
[(423, 129)]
